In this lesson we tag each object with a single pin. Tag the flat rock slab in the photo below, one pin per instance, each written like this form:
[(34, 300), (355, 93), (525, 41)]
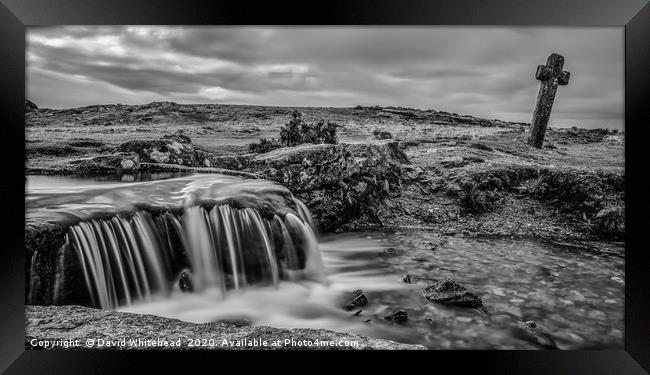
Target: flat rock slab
[(450, 292), (82, 323)]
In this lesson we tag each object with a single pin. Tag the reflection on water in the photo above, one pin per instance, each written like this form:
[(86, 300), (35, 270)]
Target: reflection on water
[(48, 182), (575, 296)]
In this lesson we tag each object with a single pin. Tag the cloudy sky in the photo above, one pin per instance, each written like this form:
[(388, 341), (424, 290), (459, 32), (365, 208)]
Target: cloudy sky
[(482, 71)]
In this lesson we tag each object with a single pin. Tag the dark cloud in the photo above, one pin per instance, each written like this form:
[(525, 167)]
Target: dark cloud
[(483, 71)]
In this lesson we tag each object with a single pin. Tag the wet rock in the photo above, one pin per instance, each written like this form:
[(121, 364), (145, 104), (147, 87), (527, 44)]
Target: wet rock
[(64, 322), (433, 244), (185, 282), (354, 300), (450, 292), (406, 279), (391, 252), (530, 332), (397, 316)]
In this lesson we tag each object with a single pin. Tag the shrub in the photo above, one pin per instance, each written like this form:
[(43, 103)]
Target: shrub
[(296, 132)]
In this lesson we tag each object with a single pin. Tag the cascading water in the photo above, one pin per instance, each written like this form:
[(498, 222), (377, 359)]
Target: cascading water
[(130, 259), (197, 236)]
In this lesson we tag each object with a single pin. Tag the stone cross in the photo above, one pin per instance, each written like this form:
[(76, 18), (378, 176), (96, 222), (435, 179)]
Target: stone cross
[(551, 75)]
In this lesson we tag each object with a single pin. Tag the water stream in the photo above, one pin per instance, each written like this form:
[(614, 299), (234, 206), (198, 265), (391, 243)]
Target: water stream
[(260, 269)]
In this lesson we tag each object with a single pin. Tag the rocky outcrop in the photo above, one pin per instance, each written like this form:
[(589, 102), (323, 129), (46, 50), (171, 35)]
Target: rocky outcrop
[(64, 323), (178, 149), (595, 197), (175, 149), (121, 162), (337, 182), (450, 292)]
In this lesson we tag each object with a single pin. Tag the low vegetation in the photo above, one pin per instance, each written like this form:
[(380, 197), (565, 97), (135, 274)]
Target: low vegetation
[(296, 132)]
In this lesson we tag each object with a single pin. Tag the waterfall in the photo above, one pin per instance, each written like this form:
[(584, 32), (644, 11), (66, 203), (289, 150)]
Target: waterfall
[(140, 257)]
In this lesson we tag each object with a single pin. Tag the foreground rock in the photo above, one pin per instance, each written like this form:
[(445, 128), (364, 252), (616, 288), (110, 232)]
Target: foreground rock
[(397, 316), (337, 182), (82, 323), (450, 292), (354, 300), (177, 148)]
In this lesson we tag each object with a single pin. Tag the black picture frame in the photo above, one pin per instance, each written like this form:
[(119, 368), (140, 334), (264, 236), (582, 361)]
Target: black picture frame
[(15, 15)]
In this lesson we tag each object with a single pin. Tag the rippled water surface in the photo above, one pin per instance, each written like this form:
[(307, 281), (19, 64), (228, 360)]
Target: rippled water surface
[(575, 294)]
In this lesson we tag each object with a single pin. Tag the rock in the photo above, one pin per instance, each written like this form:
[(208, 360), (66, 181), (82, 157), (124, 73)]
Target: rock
[(528, 331), (121, 162), (450, 292), (406, 279), (391, 252), (597, 195), (610, 221), (338, 183), (185, 282), (60, 323), (170, 149), (397, 316), (354, 300)]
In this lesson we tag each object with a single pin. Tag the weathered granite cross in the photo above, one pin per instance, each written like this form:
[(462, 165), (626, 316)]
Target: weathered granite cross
[(551, 75)]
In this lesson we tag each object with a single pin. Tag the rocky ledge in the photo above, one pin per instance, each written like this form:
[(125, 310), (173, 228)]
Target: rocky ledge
[(65, 323), (338, 182)]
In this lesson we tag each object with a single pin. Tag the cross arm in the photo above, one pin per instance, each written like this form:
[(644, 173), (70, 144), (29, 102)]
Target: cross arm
[(543, 73), (563, 78)]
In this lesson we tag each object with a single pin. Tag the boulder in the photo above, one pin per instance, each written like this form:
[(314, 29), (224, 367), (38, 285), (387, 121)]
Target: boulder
[(354, 300), (168, 151), (338, 183), (450, 292), (397, 316)]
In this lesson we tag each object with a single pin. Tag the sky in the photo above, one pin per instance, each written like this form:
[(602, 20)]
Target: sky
[(482, 71)]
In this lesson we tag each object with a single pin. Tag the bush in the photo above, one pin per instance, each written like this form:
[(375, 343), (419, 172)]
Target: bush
[(296, 132)]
